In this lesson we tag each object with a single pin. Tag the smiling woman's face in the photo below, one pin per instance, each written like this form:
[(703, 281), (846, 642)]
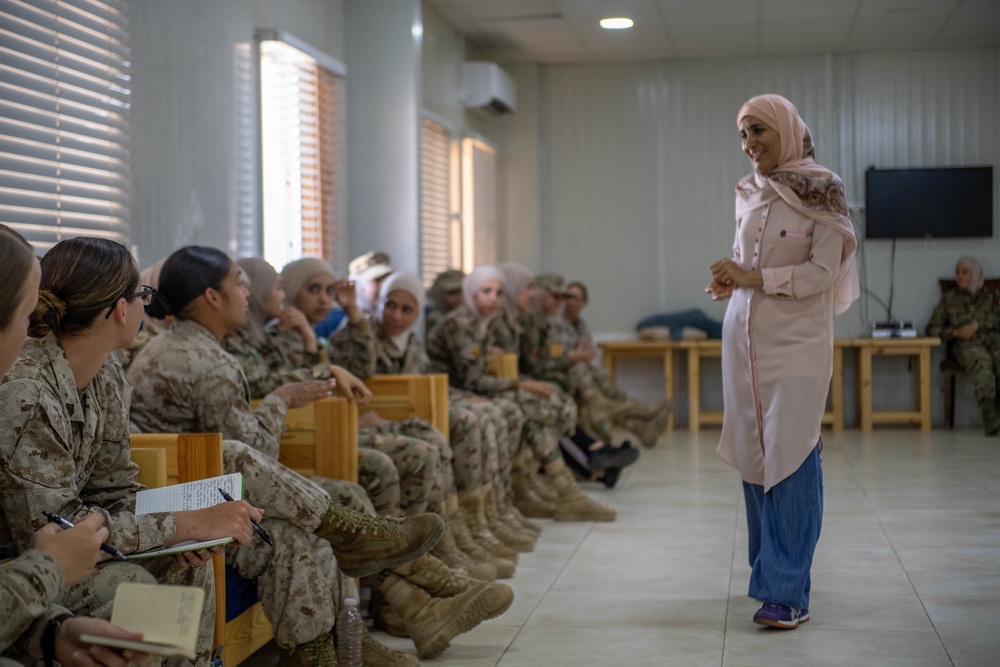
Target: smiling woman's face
[(761, 143)]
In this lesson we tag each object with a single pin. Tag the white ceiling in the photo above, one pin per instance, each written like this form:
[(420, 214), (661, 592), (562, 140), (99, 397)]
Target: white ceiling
[(567, 31)]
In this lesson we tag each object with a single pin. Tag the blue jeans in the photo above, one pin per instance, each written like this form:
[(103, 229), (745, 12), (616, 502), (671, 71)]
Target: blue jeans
[(784, 526)]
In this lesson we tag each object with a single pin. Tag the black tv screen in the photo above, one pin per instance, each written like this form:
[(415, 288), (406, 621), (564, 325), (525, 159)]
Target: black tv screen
[(940, 202)]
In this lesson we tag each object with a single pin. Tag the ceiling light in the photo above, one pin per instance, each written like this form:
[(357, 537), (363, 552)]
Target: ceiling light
[(619, 23)]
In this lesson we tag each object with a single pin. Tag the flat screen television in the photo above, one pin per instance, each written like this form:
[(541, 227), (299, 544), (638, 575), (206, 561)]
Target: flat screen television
[(938, 202)]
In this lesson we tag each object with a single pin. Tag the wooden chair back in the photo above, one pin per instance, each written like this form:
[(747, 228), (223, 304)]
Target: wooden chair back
[(503, 366), (176, 458), (401, 397), (322, 439)]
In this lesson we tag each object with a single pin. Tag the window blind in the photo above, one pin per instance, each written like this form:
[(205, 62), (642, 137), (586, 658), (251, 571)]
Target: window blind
[(303, 150), (440, 236), (64, 119)]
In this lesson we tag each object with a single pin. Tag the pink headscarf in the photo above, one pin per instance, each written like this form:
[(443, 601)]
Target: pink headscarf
[(976, 269), (809, 188)]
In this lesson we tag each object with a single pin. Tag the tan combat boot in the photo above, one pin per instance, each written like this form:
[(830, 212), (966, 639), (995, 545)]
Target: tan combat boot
[(574, 505), (472, 506), (440, 581), (448, 552), (526, 498), (517, 538), (365, 544), (376, 654), (433, 622), (512, 515), (314, 653), (465, 542)]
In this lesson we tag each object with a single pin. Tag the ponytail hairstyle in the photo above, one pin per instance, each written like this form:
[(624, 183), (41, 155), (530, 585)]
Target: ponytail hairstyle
[(81, 278), (16, 258), (185, 276)]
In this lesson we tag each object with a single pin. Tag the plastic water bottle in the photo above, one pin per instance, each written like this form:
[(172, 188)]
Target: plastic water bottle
[(350, 629)]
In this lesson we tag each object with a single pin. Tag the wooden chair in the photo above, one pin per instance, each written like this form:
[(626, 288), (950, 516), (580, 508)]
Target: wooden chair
[(177, 458), (400, 397), (322, 439), (949, 365), (503, 366)]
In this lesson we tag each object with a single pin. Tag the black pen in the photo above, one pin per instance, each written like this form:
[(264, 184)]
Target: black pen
[(66, 523), (256, 526)]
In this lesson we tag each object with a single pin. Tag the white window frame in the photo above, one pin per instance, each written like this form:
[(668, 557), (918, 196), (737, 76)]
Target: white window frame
[(301, 173)]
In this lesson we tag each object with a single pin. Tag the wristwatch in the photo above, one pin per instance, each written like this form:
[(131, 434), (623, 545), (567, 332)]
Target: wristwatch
[(49, 638)]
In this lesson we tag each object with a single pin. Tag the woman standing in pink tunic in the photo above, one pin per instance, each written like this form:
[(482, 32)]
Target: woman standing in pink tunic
[(792, 270)]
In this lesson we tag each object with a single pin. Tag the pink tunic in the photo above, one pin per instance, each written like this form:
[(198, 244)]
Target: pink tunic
[(777, 342)]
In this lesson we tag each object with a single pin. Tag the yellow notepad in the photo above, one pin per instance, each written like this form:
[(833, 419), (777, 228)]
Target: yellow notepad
[(195, 495), (167, 616)]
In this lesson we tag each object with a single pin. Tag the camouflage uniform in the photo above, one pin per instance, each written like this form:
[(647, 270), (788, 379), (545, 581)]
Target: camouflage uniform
[(592, 385), (545, 419), (284, 360), (420, 452), (67, 451), (28, 586), (183, 381), (979, 356)]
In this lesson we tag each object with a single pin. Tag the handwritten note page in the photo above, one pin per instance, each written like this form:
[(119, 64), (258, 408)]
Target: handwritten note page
[(195, 495), (169, 618)]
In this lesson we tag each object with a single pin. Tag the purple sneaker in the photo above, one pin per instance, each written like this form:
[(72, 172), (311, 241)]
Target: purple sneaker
[(780, 616)]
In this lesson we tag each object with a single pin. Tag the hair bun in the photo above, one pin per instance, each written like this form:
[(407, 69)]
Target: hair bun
[(48, 314), (159, 307)]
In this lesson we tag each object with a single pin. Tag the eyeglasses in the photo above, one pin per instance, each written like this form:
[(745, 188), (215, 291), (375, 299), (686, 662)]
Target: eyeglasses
[(145, 294)]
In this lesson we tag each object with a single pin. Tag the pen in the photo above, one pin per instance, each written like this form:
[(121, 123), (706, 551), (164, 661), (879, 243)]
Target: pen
[(256, 526), (66, 523)]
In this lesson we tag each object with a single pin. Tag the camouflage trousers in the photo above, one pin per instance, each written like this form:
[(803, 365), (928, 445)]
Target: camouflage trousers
[(545, 421), (297, 579), (502, 424), (95, 595), (466, 435), (378, 477), (593, 391), (422, 457), (981, 360), (348, 494)]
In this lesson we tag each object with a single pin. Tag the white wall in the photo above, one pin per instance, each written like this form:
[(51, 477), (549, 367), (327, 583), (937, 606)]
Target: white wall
[(194, 116)]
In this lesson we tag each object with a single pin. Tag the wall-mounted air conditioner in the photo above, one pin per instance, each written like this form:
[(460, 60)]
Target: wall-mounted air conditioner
[(486, 86)]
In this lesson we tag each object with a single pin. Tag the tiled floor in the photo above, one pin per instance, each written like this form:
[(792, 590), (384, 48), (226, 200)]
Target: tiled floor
[(907, 571)]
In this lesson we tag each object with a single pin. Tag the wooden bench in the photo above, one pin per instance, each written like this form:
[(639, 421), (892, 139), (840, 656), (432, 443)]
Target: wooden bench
[(612, 351), (177, 458), (913, 347)]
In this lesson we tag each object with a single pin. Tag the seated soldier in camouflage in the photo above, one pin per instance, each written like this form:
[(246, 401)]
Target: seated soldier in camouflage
[(571, 331), (479, 432), (57, 557), (460, 347), (277, 346), (184, 381), (420, 453), (596, 459), (262, 350), (969, 318), (444, 296), (64, 435)]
